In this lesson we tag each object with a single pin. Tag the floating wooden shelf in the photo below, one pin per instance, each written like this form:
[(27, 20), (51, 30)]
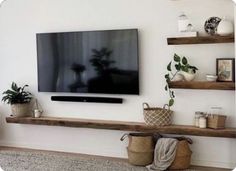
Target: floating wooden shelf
[(202, 85), (200, 40), (124, 126)]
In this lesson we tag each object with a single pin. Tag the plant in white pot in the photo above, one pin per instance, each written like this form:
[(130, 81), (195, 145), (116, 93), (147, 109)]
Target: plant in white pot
[(19, 99), (183, 71)]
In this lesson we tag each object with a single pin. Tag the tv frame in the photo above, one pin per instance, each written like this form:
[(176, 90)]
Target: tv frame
[(81, 31)]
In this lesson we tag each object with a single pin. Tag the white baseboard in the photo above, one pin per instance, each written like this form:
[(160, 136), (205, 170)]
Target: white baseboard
[(218, 164)]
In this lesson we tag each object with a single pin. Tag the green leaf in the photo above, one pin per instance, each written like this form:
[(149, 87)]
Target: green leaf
[(166, 88), (169, 66), (176, 58), (193, 67), (171, 102), (184, 61), (178, 66), (173, 94), (167, 76), (184, 68), (14, 86)]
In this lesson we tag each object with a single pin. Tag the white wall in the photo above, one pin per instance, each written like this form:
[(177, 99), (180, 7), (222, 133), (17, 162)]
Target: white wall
[(156, 19)]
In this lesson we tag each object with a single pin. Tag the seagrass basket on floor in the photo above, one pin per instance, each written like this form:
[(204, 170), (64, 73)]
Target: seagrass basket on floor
[(140, 149), (155, 116), (183, 156)]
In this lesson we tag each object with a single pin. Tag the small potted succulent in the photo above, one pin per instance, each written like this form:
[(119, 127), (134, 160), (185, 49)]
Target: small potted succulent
[(183, 71), (19, 99)]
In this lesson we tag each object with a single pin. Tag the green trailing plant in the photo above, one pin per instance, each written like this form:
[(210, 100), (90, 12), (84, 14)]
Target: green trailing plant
[(180, 64), (16, 95)]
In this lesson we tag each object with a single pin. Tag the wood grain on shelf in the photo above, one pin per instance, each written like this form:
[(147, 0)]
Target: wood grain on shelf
[(124, 126), (200, 40), (202, 85)]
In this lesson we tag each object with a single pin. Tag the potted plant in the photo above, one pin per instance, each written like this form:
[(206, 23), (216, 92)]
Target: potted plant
[(19, 99), (183, 70)]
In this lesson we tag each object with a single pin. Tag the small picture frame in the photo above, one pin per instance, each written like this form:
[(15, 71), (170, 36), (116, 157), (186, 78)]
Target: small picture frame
[(225, 69)]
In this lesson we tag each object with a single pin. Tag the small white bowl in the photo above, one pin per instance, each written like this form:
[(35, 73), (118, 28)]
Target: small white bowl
[(211, 78)]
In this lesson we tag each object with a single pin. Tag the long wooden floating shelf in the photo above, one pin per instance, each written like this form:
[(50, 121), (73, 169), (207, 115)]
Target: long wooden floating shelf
[(202, 85), (200, 40), (124, 126)]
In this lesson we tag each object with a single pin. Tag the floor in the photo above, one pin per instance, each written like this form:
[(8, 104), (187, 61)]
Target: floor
[(198, 168)]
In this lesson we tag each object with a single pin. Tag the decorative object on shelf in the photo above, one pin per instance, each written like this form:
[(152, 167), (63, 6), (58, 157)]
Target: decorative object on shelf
[(138, 153), (19, 99), (185, 28), (38, 109), (202, 122), (182, 67), (215, 118), (225, 27), (216, 121), (155, 116), (198, 114), (211, 25), (225, 69), (200, 119), (183, 22), (211, 77)]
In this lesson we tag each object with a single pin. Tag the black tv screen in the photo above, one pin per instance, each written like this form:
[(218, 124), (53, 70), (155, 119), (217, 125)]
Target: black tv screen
[(88, 62)]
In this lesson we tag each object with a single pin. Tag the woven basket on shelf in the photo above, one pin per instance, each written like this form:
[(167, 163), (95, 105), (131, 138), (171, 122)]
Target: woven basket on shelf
[(155, 116)]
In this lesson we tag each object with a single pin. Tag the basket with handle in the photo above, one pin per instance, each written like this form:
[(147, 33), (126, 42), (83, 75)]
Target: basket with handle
[(155, 116)]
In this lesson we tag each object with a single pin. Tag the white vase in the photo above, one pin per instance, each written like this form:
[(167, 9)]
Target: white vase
[(20, 110), (188, 76), (183, 22), (225, 28)]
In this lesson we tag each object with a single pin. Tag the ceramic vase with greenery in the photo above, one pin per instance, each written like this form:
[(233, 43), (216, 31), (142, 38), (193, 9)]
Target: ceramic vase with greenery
[(19, 99), (183, 70)]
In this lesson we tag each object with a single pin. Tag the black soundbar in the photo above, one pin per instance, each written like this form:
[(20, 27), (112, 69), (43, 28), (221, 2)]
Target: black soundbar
[(87, 99)]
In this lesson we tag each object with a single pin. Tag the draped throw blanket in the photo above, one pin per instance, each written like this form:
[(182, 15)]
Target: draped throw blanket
[(164, 154)]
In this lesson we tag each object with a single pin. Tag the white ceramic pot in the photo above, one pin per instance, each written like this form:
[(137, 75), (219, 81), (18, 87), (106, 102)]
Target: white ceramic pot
[(20, 110), (225, 28), (178, 77), (188, 76), (37, 113)]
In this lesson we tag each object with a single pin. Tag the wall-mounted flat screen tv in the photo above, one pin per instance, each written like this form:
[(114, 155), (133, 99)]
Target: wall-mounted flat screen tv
[(88, 62)]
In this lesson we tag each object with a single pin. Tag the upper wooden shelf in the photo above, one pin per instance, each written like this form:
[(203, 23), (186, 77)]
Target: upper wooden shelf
[(124, 126), (200, 40), (202, 85)]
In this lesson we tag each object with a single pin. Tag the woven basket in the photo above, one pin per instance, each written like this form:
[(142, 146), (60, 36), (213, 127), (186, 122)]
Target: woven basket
[(140, 158), (140, 142), (183, 156), (155, 116)]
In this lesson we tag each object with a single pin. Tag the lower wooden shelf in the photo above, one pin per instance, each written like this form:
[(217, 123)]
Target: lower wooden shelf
[(124, 126)]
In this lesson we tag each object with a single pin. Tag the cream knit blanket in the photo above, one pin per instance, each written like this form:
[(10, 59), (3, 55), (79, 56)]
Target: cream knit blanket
[(164, 154)]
